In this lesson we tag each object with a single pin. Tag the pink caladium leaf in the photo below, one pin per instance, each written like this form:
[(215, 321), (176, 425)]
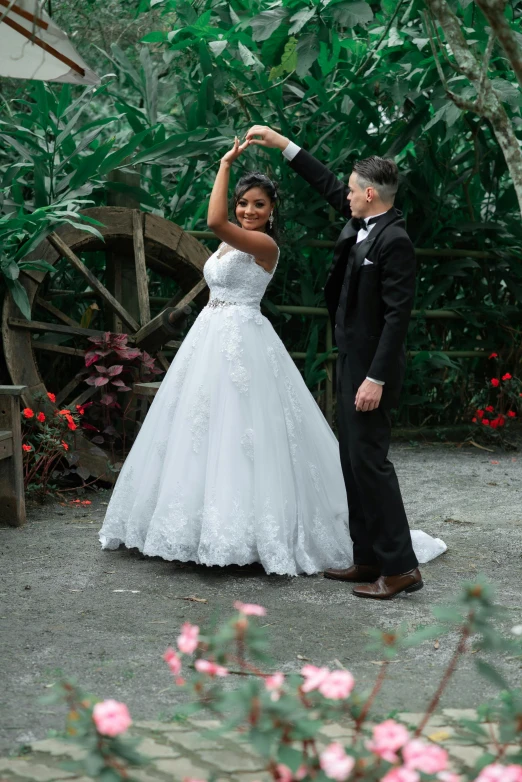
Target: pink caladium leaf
[(91, 356), (91, 380), (108, 399), (128, 353), (101, 369), (100, 381), (115, 370), (89, 427)]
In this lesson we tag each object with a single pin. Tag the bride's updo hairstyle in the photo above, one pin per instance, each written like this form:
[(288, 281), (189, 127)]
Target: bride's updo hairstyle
[(257, 179)]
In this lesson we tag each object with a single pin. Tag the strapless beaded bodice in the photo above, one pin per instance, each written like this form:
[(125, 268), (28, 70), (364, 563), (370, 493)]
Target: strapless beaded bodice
[(234, 277)]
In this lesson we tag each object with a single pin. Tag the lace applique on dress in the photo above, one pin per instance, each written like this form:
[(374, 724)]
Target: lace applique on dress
[(247, 441), (200, 415), (273, 360), (231, 346)]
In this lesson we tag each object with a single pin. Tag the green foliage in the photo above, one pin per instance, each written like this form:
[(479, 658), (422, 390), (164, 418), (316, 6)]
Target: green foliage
[(345, 80)]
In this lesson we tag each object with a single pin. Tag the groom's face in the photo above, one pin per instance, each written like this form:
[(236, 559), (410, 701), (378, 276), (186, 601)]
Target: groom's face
[(360, 198)]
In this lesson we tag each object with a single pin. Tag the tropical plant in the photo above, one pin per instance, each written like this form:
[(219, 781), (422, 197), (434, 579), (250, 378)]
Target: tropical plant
[(113, 366)]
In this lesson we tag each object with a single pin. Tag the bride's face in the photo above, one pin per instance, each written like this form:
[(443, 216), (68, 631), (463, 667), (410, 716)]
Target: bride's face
[(253, 209)]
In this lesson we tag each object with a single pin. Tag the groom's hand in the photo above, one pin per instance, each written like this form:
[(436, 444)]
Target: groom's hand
[(368, 396), (266, 137)]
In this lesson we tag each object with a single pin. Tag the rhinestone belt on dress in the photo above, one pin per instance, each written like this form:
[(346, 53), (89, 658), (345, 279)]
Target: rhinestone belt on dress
[(213, 303)]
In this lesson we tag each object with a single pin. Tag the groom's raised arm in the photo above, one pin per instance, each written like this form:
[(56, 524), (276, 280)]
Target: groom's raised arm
[(306, 165)]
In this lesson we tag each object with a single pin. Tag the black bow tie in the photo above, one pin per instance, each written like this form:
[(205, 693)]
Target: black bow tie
[(362, 222)]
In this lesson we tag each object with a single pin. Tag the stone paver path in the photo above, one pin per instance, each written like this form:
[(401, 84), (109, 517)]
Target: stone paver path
[(193, 749)]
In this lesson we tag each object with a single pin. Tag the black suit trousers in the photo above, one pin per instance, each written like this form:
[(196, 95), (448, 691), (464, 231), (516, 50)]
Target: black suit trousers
[(378, 524)]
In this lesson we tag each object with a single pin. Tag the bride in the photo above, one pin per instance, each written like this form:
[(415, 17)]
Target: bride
[(235, 463)]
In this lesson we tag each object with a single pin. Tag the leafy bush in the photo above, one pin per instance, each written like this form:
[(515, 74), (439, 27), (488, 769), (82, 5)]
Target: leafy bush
[(48, 445), (109, 361)]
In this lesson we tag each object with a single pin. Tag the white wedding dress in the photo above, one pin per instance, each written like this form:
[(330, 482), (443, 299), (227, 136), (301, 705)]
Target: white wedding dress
[(235, 463)]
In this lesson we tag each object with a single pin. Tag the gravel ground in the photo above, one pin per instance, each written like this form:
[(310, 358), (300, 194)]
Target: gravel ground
[(105, 618)]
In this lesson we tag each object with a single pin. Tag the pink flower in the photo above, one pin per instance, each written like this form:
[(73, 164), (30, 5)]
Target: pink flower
[(314, 677), (448, 776), (173, 661), (210, 668), (189, 638), (335, 763), (498, 773), (401, 774), (273, 684), (301, 772), (338, 685), (284, 774), (249, 609), (388, 737), (111, 718), (425, 757)]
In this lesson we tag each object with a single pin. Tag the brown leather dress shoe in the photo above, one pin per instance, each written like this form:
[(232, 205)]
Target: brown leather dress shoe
[(387, 587), (356, 574)]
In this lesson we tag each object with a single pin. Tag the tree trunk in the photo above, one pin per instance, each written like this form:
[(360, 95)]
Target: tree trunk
[(488, 103)]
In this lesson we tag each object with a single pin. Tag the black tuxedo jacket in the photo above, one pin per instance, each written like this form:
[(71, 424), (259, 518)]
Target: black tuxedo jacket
[(379, 296)]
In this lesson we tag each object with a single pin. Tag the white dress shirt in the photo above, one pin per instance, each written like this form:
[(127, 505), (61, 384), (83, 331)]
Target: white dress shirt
[(289, 153)]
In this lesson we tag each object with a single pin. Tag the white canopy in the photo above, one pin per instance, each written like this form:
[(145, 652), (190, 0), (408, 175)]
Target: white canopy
[(33, 47)]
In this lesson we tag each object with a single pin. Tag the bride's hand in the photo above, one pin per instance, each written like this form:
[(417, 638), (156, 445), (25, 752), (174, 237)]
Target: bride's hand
[(235, 152)]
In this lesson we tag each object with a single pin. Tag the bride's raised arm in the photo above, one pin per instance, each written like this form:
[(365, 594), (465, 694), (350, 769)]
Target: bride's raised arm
[(253, 239)]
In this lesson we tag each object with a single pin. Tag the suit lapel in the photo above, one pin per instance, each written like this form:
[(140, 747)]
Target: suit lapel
[(361, 250), (349, 231)]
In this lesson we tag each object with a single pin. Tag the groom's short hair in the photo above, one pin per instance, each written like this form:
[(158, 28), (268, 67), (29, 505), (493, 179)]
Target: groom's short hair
[(378, 172)]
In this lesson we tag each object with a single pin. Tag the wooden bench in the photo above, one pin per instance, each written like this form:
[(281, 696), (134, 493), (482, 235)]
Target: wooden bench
[(12, 497)]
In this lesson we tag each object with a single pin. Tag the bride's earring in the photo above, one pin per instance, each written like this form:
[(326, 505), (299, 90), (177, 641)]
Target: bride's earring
[(271, 220)]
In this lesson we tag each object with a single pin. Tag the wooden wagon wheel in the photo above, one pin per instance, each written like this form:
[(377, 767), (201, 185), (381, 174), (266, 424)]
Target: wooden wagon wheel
[(136, 245)]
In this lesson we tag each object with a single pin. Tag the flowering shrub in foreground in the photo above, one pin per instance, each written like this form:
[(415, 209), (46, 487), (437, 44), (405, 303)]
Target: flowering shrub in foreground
[(281, 715)]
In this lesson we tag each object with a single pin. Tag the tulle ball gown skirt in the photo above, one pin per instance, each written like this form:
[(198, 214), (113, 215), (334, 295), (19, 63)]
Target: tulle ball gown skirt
[(234, 463)]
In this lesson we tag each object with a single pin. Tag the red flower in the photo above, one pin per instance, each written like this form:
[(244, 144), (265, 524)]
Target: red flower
[(494, 423), (40, 417), (485, 422), (501, 420), (52, 397), (507, 376), (27, 448), (490, 408), (72, 426), (86, 502), (65, 446), (480, 413), (65, 411), (473, 420), (495, 382), (512, 414), (494, 355), (80, 409), (28, 412)]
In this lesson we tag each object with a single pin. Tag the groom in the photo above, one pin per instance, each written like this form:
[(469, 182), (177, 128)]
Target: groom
[(369, 294)]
